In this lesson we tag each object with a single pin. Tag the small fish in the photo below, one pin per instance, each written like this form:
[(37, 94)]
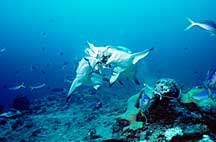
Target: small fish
[(37, 87), (61, 53), (144, 103), (17, 87), (10, 114), (4, 86), (66, 62), (43, 48), (210, 81), (2, 50), (33, 68), (209, 26), (43, 72), (17, 72), (44, 33)]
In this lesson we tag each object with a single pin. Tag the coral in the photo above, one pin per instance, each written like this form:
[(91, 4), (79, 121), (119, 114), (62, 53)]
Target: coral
[(167, 87), (206, 138), (187, 97), (170, 133), (203, 98), (131, 114)]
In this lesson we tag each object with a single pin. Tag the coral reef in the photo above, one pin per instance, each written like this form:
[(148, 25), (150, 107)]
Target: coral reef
[(167, 87), (170, 133), (91, 117), (131, 114), (202, 97)]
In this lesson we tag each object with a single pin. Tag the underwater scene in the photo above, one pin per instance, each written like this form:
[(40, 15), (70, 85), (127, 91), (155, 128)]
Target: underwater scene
[(107, 71)]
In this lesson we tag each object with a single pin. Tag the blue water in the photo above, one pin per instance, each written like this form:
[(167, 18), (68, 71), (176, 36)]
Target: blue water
[(35, 32)]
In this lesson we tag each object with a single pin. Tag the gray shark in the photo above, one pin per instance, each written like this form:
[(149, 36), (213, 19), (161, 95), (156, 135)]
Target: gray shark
[(122, 60), (87, 73)]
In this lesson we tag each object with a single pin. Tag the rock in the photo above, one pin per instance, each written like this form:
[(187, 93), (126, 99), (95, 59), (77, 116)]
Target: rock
[(3, 121), (36, 132), (21, 103), (29, 124), (197, 129), (17, 124), (3, 139), (92, 134), (22, 140), (131, 114), (167, 87), (98, 106)]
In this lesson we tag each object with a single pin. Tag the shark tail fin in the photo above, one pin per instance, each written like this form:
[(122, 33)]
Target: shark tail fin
[(138, 56), (192, 23), (76, 83)]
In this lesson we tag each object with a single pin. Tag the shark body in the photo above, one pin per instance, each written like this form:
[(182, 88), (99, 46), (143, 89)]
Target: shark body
[(123, 60)]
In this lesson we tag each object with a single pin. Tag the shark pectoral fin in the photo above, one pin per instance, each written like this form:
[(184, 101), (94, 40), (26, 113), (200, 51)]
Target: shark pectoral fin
[(138, 56), (76, 83), (115, 74), (92, 47), (90, 52)]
